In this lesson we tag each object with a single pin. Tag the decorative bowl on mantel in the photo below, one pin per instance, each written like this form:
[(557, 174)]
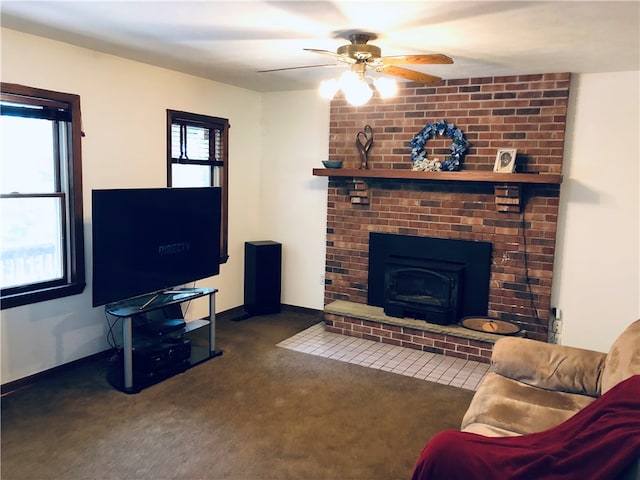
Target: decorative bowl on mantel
[(332, 163)]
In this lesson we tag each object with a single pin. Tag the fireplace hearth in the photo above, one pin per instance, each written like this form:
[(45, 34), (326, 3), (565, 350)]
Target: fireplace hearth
[(434, 279)]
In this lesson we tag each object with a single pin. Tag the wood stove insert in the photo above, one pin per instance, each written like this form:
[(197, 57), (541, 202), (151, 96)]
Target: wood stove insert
[(423, 289), (435, 279)]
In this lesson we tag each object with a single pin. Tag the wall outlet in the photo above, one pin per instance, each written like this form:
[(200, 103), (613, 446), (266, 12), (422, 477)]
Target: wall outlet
[(554, 338), (556, 326)]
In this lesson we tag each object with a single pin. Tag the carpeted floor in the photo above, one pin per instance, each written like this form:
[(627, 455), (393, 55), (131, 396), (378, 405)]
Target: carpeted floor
[(257, 412)]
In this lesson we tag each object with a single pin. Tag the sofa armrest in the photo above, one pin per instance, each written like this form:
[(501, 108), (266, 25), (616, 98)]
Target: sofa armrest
[(549, 366)]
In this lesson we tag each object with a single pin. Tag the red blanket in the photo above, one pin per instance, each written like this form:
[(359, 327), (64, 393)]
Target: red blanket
[(599, 442)]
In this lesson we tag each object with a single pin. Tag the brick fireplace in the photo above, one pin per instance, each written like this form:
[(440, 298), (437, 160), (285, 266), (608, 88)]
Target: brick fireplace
[(518, 219)]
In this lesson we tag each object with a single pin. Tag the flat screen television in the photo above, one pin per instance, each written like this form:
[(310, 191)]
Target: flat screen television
[(149, 239)]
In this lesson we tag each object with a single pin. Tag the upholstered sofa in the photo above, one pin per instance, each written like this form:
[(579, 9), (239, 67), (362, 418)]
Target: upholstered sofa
[(533, 386)]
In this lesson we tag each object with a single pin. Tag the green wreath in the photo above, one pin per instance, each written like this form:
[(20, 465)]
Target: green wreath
[(458, 147)]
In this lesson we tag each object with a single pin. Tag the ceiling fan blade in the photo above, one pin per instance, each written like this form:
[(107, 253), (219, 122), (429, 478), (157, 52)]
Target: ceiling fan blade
[(342, 58), (303, 66), (409, 74), (417, 59)]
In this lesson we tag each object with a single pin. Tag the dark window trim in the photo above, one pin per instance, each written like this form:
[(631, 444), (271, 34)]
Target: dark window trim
[(75, 282), (206, 121)]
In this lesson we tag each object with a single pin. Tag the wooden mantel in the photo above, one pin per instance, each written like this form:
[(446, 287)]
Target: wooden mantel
[(507, 186), (461, 176)]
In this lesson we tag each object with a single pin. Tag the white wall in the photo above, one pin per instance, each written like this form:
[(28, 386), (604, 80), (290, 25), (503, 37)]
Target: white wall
[(597, 272), (124, 117), (295, 131)]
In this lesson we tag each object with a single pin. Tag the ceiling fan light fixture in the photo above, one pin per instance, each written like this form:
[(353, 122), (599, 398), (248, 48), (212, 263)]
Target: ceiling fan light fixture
[(357, 86), (386, 87), (358, 95), (356, 90), (347, 79)]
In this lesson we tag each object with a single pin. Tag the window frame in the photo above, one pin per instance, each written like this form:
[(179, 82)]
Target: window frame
[(213, 123), (72, 221)]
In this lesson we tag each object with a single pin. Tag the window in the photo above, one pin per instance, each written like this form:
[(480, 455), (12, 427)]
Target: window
[(42, 243), (197, 156)]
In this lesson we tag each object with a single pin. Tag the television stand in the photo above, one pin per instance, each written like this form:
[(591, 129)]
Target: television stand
[(127, 309)]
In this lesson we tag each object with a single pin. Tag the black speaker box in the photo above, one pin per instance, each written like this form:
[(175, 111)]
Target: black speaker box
[(262, 277)]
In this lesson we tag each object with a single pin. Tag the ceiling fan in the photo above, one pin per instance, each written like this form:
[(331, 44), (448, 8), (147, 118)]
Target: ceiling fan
[(362, 55)]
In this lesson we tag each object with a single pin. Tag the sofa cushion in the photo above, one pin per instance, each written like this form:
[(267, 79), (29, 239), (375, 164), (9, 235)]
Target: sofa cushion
[(548, 366), (488, 430), (520, 408), (623, 360)]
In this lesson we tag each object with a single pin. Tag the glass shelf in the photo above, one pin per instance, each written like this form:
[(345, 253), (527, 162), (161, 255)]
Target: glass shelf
[(147, 303)]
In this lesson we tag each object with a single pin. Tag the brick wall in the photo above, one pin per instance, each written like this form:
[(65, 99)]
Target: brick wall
[(443, 344), (526, 112)]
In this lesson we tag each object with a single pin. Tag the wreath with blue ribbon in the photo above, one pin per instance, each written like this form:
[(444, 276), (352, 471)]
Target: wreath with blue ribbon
[(458, 147)]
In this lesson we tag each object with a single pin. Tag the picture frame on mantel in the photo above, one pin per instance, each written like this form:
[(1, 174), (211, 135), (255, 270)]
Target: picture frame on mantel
[(505, 160)]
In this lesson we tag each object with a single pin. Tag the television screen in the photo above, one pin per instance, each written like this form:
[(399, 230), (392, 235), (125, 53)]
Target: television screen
[(149, 239)]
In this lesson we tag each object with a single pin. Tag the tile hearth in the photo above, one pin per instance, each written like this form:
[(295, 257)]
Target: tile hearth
[(432, 367)]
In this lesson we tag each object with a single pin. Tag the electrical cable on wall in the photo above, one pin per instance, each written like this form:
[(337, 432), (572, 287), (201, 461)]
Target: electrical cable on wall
[(534, 311)]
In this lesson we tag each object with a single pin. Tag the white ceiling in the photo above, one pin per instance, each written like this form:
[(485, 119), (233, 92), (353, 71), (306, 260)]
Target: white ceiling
[(229, 41)]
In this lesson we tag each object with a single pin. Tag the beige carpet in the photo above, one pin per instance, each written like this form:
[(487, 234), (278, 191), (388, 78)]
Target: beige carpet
[(257, 412)]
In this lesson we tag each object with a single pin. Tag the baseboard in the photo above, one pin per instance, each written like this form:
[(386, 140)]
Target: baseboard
[(240, 313), (310, 311), (15, 385), (233, 314)]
